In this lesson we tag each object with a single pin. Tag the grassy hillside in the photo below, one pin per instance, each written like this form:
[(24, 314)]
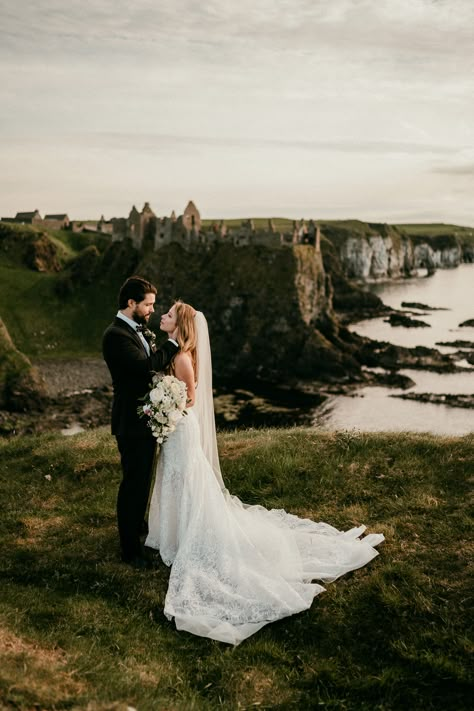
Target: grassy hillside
[(435, 228), (79, 630), (43, 323), (441, 234), (43, 320)]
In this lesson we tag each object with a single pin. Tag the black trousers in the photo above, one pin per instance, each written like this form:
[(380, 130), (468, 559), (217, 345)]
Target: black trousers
[(137, 454)]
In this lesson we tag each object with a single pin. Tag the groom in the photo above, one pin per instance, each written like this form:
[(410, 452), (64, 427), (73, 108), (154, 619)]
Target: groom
[(132, 356)]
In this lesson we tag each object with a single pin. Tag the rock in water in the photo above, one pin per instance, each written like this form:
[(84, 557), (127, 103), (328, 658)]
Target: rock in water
[(469, 322), (406, 321), (421, 307)]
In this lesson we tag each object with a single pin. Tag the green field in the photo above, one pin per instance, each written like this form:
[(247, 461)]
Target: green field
[(81, 631), (42, 323), (436, 228)]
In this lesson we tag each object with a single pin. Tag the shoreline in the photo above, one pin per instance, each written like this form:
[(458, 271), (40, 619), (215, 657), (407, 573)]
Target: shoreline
[(79, 397)]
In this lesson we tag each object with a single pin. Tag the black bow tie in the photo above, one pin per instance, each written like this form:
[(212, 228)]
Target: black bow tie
[(140, 328)]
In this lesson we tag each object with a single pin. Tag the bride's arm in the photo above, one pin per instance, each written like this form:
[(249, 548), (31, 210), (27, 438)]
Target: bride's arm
[(184, 371)]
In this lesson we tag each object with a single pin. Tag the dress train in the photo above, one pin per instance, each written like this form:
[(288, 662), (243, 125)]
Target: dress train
[(234, 567)]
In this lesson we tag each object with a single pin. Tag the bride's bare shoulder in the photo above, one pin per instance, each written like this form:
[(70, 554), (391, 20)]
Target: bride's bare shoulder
[(183, 362), (182, 358)]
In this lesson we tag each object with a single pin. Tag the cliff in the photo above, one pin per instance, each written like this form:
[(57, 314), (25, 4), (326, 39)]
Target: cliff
[(371, 251), (270, 311)]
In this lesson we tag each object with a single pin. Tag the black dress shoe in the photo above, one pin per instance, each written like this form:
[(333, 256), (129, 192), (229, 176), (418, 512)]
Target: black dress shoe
[(138, 562)]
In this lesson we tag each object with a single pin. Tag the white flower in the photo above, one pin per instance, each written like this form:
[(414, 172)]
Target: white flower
[(176, 389), (164, 405), (156, 395), (175, 416)]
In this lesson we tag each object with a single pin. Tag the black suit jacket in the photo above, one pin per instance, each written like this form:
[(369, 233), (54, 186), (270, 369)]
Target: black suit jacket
[(131, 370)]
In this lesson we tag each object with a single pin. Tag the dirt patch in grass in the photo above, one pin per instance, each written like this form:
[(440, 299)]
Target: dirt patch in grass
[(29, 672), (35, 529), (259, 687), (235, 449)]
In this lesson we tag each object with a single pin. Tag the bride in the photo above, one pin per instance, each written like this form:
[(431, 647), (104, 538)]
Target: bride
[(234, 567)]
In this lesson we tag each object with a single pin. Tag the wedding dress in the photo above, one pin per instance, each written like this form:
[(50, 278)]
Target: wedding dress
[(234, 567)]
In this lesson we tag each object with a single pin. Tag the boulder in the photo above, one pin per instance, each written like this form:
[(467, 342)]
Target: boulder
[(21, 387)]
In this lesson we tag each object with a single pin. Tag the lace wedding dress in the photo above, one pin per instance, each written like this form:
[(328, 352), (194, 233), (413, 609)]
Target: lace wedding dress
[(234, 567)]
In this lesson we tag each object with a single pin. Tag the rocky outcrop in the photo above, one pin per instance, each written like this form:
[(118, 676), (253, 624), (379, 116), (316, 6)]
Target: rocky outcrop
[(371, 251), (464, 401), (468, 251), (438, 252), (21, 387), (391, 357), (80, 271), (29, 247), (350, 301), (421, 307), (270, 311), (398, 319)]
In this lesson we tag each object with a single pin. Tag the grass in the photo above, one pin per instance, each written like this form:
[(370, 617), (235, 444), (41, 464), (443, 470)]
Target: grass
[(45, 324), (438, 231), (436, 228), (80, 631)]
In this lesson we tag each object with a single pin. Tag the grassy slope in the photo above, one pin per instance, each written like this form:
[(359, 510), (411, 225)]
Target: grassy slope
[(78, 630), (438, 231), (41, 322), (435, 228)]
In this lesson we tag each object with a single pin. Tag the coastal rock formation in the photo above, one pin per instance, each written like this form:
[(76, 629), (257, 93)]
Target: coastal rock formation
[(441, 252), (270, 311), (421, 307), (26, 246), (457, 400), (391, 357), (21, 387), (398, 319), (371, 251)]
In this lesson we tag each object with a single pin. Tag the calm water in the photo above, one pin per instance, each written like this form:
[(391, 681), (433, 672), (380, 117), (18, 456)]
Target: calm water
[(372, 408)]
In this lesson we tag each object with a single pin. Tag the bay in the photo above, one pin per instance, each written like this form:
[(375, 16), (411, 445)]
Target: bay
[(373, 408)]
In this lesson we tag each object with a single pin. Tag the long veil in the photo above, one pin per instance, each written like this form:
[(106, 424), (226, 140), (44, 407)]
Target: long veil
[(204, 404)]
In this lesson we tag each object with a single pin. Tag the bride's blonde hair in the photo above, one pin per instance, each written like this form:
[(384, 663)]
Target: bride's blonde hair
[(187, 337)]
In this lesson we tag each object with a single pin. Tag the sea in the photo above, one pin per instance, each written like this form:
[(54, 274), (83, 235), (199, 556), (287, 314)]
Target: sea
[(374, 409)]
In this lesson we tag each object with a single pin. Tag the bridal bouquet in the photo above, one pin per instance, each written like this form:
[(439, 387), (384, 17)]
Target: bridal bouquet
[(164, 405)]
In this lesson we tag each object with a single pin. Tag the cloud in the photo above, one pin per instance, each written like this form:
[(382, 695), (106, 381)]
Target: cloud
[(281, 26), (466, 169), (152, 142), (384, 87)]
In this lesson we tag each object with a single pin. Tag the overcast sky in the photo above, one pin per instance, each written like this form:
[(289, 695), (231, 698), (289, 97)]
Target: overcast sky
[(293, 108)]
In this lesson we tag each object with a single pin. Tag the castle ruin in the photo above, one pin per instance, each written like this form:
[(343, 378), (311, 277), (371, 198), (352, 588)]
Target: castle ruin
[(146, 229)]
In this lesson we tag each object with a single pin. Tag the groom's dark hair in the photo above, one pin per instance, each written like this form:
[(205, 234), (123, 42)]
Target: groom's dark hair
[(134, 288)]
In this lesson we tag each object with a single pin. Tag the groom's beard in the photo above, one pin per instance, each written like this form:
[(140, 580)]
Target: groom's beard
[(142, 320)]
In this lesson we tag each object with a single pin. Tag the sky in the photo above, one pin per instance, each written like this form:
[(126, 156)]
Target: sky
[(324, 109)]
